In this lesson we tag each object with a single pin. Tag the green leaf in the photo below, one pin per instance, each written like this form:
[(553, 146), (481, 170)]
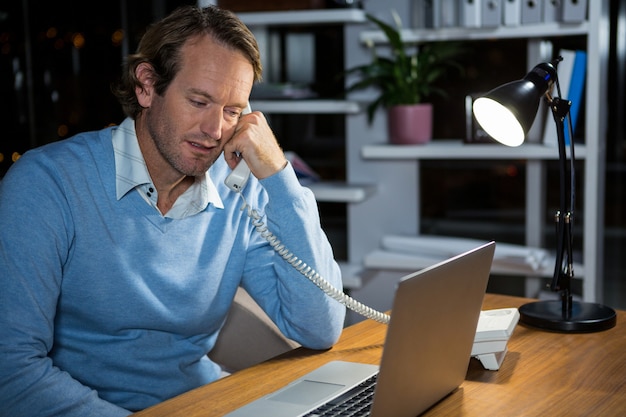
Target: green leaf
[(404, 78)]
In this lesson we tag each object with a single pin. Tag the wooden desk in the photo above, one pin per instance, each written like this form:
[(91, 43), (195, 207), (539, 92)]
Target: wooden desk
[(543, 374)]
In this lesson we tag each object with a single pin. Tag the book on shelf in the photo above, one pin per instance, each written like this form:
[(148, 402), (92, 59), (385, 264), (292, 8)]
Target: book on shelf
[(576, 90), (571, 72), (306, 175)]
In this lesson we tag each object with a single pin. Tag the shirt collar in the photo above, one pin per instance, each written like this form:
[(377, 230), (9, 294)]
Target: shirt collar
[(131, 172)]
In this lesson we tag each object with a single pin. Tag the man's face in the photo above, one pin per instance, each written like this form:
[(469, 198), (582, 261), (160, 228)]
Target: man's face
[(189, 125)]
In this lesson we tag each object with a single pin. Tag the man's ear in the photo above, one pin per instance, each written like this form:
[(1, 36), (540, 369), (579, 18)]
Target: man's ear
[(145, 74)]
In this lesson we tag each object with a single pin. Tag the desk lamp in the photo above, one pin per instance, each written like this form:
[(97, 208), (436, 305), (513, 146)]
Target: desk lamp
[(506, 113)]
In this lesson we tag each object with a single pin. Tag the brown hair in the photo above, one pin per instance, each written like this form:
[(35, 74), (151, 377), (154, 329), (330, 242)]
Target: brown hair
[(161, 44)]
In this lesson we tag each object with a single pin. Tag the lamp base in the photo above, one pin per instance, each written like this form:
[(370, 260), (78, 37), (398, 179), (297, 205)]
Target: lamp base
[(584, 317)]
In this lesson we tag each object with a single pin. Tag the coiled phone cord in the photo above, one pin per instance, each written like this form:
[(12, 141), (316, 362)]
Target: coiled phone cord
[(308, 271)]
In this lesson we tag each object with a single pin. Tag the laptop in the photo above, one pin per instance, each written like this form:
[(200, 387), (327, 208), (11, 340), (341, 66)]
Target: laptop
[(426, 352)]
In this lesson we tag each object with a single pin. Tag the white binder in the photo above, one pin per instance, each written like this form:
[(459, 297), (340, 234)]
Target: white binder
[(416, 14), (435, 14), (531, 11), (432, 13), (552, 10), (491, 13), (425, 14), (449, 17), (512, 12), (574, 10), (469, 13)]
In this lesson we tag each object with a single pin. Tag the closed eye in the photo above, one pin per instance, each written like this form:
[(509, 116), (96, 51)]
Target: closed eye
[(197, 103)]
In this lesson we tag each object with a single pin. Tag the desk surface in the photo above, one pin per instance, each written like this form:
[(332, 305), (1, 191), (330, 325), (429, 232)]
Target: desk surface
[(543, 374)]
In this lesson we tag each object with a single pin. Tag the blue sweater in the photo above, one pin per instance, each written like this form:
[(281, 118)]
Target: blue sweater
[(106, 306)]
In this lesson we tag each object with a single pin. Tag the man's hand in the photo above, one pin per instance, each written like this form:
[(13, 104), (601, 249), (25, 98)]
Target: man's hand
[(255, 142)]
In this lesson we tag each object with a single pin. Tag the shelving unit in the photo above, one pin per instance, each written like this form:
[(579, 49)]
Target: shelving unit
[(332, 191), (394, 165), (325, 191), (382, 191)]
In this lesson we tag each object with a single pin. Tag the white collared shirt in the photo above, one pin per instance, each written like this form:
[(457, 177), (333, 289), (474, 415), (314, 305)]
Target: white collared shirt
[(131, 173)]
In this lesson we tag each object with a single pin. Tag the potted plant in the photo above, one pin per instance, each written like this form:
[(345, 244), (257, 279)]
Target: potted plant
[(405, 81)]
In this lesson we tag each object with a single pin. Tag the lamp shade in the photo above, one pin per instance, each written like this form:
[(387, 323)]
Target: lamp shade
[(507, 112)]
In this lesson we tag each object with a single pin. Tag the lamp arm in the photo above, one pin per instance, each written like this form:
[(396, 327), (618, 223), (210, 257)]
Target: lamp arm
[(563, 274)]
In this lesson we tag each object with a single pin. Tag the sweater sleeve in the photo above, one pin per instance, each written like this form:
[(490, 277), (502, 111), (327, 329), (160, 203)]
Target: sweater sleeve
[(299, 308), (35, 239)]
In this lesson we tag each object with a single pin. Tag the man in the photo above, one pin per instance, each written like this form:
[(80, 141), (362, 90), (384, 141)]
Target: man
[(121, 250)]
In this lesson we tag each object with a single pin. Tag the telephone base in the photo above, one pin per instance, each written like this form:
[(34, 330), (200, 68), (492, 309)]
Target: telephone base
[(494, 329), (492, 361)]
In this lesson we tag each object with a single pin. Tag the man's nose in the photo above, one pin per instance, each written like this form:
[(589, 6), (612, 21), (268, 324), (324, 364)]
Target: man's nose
[(211, 124)]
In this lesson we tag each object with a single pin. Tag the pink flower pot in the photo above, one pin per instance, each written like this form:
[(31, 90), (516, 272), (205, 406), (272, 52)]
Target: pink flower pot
[(410, 124)]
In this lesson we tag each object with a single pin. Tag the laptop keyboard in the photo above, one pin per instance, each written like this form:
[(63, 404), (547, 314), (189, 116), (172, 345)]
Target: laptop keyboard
[(355, 402)]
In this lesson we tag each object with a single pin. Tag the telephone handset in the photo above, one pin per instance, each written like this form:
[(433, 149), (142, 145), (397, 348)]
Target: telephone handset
[(236, 181)]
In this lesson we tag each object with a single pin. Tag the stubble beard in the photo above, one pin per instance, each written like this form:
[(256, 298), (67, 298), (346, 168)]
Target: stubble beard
[(162, 134)]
